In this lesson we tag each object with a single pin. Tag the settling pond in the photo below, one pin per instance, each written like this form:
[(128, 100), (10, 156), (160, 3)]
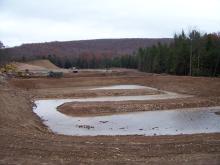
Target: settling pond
[(166, 122)]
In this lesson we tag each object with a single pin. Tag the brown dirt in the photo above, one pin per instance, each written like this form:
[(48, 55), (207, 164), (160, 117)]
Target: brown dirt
[(198, 86), (106, 108), (39, 66), (23, 66), (25, 140), (43, 63)]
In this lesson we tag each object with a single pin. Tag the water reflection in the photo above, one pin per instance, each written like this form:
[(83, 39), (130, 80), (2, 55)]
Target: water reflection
[(170, 122)]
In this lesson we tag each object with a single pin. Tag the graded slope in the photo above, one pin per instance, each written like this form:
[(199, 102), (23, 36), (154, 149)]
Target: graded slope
[(24, 66), (43, 63)]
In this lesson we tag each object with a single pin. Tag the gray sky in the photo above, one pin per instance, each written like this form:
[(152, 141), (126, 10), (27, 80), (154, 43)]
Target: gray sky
[(28, 21)]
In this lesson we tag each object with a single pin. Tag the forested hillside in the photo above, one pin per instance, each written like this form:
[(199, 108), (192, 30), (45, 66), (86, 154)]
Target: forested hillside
[(71, 49), (193, 54)]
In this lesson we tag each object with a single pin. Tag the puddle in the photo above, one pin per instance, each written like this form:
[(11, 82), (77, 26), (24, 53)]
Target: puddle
[(122, 87), (170, 122)]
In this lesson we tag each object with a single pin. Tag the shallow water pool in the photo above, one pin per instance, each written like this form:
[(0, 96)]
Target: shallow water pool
[(166, 122)]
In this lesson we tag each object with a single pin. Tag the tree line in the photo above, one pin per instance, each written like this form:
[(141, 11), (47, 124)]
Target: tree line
[(86, 61), (4, 58), (194, 54)]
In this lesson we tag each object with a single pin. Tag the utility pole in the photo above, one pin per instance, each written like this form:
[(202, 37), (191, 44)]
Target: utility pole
[(190, 59)]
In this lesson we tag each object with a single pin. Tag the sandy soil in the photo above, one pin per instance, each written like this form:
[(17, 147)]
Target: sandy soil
[(40, 66), (22, 66), (107, 108), (43, 63), (25, 140)]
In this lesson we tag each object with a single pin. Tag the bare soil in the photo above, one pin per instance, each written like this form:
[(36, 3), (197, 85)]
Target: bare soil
[(25, 140), (108, 108), (23, 66), (43, 63)]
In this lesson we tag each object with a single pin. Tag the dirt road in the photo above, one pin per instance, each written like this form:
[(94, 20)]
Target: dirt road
[(25, 140)]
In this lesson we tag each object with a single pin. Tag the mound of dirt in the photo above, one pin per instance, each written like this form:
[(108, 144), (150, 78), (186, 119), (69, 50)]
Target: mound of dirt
[(23, 66), (43, 63), (109, 108)]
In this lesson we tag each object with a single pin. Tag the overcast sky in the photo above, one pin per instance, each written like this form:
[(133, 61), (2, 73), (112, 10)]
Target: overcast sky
[(28, 21)]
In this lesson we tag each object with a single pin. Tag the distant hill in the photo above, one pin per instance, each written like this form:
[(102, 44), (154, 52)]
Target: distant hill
[(110, 47)]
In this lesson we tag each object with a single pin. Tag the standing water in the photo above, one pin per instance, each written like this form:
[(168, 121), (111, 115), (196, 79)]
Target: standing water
[(169, 122), (166, 122)]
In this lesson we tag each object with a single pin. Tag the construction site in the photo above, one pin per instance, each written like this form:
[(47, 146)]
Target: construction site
[(50, 115)]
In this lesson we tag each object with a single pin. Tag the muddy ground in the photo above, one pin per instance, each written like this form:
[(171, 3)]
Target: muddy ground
[(25, 140)]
